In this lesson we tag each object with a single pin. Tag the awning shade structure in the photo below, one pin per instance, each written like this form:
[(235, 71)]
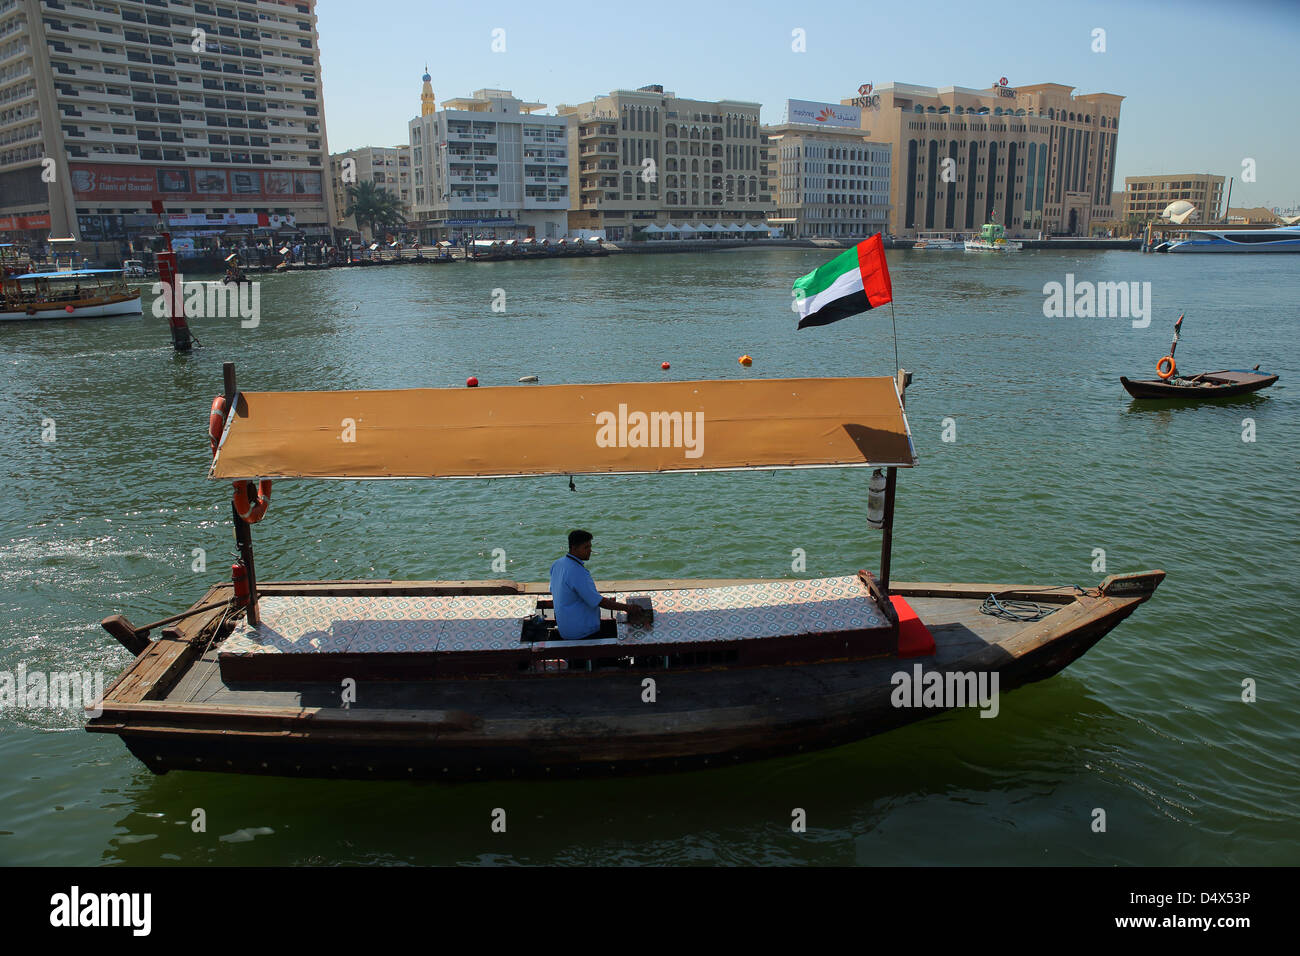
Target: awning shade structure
[(622, 428)]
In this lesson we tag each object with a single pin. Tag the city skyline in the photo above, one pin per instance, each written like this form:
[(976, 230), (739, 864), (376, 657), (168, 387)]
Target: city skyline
[(1151, 57)]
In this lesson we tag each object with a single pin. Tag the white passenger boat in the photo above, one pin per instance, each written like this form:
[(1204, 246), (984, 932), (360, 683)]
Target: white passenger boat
[(937, 242), (1272, 239)]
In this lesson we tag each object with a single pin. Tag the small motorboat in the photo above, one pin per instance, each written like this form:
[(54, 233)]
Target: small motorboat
[(1224, 383)]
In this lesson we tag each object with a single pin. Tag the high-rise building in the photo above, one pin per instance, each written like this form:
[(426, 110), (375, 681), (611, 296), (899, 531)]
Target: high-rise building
[(214, 108), (830, 180), (488, 165), (388, 167), (1146, 197), (1034, 158), (646, 156)]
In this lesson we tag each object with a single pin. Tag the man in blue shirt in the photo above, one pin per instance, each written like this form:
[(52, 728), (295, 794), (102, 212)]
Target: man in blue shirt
[(577, 602)]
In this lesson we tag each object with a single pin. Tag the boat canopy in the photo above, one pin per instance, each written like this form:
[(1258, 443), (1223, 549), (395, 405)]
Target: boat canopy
[(66, 274), (606, 429)]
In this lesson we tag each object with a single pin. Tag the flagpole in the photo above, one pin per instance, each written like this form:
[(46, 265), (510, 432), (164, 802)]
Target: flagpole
[(895, 325)]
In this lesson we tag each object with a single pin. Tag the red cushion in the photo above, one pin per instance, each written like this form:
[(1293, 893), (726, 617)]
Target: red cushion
[(914, 638)]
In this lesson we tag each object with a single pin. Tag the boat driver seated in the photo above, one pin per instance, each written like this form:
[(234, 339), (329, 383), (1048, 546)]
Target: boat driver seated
[(577, 602)]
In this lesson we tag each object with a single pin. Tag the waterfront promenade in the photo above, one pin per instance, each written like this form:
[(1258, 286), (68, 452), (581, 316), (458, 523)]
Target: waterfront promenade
[(270, 261)]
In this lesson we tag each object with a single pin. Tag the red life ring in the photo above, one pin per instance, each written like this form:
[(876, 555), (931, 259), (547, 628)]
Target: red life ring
[(1172, 367), (252, 512), (216, 422)]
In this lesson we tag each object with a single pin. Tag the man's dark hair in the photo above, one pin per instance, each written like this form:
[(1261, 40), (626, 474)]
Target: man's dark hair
[(578, 537)]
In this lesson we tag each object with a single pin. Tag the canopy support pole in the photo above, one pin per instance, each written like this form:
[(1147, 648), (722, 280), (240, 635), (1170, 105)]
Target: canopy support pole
[(243, 533), (891, 482)]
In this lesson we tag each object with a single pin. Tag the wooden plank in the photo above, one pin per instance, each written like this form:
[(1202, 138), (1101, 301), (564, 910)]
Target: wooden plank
[(157, 669), (316, 716)]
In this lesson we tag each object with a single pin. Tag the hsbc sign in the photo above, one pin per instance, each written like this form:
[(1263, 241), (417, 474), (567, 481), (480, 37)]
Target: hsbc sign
[(866, 99)]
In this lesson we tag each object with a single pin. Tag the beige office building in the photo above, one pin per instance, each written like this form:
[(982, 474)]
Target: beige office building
[(830, 180), (388, 167), (647, 156), (1034, 158), (1146, 197), (106, 105)]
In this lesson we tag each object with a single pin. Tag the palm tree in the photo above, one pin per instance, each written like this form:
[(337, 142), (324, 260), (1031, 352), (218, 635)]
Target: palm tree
[(374, 206)]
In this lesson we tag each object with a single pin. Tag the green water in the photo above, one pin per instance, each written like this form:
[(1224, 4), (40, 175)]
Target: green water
[(1051, 461)]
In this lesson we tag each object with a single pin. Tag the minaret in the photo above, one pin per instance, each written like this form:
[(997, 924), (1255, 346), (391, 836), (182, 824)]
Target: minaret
[(427, 104)]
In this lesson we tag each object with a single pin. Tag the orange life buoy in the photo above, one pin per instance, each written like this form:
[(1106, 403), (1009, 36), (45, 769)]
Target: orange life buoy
[(1172, 367), (216, 422), (252, 512)]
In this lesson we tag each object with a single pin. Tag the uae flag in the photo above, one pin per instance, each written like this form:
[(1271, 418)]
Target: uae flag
[(852, 282)]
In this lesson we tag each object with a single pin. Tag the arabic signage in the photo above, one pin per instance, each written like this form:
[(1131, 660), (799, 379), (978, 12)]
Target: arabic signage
[(823, 114), (144, 182)]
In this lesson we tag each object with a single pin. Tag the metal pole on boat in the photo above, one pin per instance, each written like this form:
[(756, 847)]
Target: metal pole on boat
[(243, 533), (169, 276), (891, 482)]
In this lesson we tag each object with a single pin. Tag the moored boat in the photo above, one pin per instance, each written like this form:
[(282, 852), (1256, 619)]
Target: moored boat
[(937, 242), (1272, 239), (457, 679), (992, 238), (60, 295)]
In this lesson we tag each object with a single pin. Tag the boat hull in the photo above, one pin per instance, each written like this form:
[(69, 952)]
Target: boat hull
[(1222, 386), (584, 724), (1223, 246), (128, 304), (977, 245)]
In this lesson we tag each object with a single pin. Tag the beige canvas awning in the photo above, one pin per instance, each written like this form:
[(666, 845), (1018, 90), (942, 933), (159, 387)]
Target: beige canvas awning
[(630, 428)]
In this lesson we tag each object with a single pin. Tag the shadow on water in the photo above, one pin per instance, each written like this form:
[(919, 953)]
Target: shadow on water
[(985, 775)]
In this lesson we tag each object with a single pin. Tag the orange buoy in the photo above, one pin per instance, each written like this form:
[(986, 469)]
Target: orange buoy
[(216, 422), (252, 511), (664, 366), (1161, 364), (746, 361), (68, 309), (472, 381)]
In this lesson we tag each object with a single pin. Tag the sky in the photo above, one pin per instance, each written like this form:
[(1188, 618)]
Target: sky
[(1209, 87)]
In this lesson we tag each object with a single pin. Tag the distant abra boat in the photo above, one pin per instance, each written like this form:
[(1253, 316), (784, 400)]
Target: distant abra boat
[(937, 242), (992, 238), (1273, 239), (59, 295)]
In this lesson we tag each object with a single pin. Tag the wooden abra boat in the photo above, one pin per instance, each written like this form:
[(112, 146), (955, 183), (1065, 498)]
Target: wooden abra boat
[(466, 679), (1222, 384), (1207, 385), (60, 295)]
